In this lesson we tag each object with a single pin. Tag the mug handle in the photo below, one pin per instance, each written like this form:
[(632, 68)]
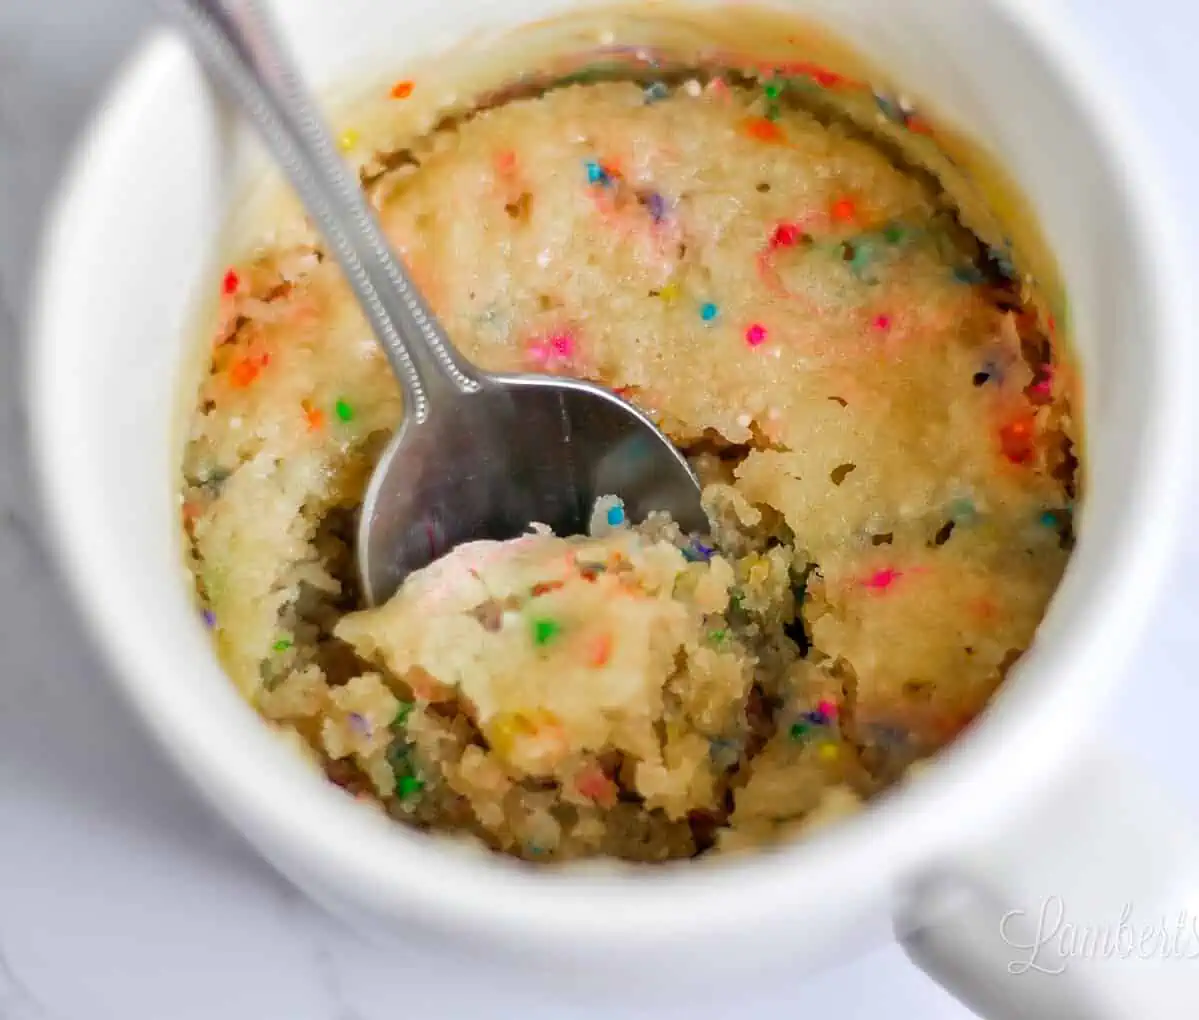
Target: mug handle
[(1084, 908)]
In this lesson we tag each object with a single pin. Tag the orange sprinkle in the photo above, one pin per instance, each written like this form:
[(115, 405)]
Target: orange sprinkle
[(919, 126), (764, 130), (231, 282), (244, 372), (601, 651), (402, 89), (314, 416), (191, 510), (545, 587), (843, 211), (505, 162)]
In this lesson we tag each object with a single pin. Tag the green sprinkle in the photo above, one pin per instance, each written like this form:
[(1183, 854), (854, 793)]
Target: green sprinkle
[(773, 90), (282, 645), (719, 636), (544, 631), (408, 787), (893, 234), (344, 411), (799, 731), (402, 714)]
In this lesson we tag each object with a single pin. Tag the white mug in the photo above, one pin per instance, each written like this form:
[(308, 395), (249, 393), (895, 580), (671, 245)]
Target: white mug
[(1023, 809)]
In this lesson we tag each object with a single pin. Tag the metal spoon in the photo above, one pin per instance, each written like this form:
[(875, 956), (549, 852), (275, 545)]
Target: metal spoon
[(477, 455)]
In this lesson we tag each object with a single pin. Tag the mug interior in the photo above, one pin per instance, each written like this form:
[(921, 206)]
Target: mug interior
[(133, 251)]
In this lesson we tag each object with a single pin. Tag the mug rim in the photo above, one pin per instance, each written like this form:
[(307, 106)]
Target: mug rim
[(331, 839)]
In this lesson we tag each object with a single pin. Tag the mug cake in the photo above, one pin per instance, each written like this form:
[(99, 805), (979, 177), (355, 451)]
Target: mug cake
[(876, 399)]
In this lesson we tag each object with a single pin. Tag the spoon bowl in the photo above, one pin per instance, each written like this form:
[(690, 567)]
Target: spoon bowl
[(477, 456), (521, 449)]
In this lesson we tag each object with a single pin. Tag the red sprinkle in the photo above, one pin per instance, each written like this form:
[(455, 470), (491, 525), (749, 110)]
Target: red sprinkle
[(756, 335), (231, 282), (1016, 440), (764, 130), (843, 211), (882, 322), (402, 89), (786, 235)]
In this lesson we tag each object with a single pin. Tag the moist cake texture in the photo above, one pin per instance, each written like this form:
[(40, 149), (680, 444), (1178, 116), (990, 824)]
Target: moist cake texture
[(879, 413)]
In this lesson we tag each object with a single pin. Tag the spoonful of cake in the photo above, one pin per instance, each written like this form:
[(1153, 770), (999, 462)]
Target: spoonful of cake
[(478, 455)]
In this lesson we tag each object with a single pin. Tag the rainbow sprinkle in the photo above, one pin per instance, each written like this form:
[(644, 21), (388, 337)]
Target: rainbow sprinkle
[(231, 282), (408, 787), (615, 516), (843, 211), (756, 335), (655, 92), (209, 618), (881, 580), (347, 141), (402, 89), (708, 311), (282, 645), (544, 631), (601, 651), (343, 411)]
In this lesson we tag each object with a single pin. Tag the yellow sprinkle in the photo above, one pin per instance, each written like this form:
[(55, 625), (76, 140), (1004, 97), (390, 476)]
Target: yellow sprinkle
[(347, 141), (829, 752), (670, 293)]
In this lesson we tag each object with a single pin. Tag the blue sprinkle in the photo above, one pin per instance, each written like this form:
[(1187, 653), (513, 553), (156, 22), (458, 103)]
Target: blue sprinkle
[(209, 618), (596, 174), (816, 718), (968, 275), (656, 205), (708, 311), (615, 516), (656, 91), (697, 552), (1050, 519)]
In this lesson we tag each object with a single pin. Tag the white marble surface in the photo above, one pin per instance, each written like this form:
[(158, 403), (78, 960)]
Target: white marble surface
[(122, 897)]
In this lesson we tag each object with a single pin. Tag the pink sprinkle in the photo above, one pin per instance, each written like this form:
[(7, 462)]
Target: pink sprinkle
[(827, 709), (882, 322), (562, 344), (883, 579), (755, 336)]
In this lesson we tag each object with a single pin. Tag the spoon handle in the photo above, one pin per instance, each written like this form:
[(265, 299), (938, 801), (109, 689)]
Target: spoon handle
[(237, 42)]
